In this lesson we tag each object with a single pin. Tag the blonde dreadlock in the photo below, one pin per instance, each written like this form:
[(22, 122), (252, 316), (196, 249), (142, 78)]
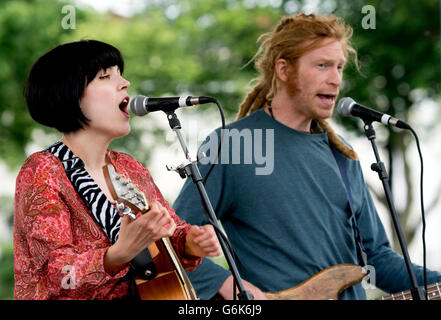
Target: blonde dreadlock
[(291, 38)]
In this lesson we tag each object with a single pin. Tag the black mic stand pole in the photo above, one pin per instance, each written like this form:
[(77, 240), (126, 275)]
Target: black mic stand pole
[(190, 169), (417, 292)]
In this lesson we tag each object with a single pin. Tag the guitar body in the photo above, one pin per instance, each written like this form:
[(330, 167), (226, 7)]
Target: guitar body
[(328, 284), (171, 281), (163, 287)]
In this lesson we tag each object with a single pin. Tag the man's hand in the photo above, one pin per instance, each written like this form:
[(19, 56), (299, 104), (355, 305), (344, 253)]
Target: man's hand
[(201, 241), (226, 290)]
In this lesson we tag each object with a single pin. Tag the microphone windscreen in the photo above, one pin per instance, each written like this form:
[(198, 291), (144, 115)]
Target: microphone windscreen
[(344, 106), (138, 105)]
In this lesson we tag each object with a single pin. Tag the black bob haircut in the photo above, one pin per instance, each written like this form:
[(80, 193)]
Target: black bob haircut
[(57, 80)]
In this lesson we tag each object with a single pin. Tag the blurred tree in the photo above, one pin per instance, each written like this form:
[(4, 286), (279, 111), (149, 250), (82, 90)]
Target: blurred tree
[(28, 29), (6, 253), (6, 271)]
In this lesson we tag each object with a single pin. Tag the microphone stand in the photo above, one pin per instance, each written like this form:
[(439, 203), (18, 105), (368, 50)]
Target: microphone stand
[(417, 292), (190, 169)]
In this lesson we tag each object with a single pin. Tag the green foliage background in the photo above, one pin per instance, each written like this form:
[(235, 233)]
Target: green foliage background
[(202, 47)]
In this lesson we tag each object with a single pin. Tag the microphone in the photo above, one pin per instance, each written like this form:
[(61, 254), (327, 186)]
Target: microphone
[(141, 105), (348, 107)]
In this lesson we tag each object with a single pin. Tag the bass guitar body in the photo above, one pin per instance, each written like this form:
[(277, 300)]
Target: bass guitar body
[(328, 284)]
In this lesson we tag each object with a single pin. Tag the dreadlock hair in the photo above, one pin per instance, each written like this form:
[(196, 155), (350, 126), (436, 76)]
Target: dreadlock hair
[(294, 36)]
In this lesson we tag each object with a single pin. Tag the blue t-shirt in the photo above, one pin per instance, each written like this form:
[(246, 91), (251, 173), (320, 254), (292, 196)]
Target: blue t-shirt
[(280, 197)]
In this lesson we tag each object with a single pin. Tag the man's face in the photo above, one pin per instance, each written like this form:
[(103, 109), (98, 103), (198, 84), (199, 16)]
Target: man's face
[(315, 86)]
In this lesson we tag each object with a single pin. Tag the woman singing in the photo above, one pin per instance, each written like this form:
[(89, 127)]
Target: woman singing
[(70, 242)]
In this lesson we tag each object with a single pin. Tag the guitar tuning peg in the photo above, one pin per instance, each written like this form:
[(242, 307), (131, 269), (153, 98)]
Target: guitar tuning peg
[(129, 213), (125, 210), (120, 206)]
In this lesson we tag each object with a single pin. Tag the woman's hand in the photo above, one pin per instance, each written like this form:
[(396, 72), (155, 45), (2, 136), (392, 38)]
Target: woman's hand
[(136, 235), (201, 241)]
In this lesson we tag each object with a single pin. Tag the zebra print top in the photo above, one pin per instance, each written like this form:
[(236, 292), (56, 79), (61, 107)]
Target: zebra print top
[(103, 212)]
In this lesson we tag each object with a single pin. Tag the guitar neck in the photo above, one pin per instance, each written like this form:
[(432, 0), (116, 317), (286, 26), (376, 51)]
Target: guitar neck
[(433, 293)]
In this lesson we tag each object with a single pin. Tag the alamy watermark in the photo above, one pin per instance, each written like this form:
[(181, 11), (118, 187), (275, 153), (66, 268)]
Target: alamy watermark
[(246, 146), (68, 281), (368, 281), (369, 20), (69, 20)]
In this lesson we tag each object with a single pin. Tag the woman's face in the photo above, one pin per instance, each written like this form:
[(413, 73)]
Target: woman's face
[(105, 103)]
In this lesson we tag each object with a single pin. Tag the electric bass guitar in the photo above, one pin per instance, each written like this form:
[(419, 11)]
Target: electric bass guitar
[(329, 283), (171, 281)]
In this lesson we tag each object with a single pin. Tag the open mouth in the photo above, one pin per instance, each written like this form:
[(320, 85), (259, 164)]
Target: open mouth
[(328, 99), (123, 106)]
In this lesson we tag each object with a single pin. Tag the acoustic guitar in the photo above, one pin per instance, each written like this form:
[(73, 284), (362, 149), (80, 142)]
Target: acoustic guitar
[(329, 283), (171, 281)]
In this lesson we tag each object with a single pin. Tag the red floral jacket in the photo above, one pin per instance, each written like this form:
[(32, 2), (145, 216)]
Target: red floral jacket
[(58, 247)]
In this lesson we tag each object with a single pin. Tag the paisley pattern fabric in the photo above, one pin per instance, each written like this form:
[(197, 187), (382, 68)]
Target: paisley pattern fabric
[(58, 246), (104, 213)]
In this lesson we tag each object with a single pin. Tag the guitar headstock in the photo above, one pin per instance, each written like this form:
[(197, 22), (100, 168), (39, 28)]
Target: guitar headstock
[(123, 191)]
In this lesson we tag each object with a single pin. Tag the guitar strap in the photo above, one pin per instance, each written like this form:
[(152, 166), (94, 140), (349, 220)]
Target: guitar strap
[(362, 257), (103, 212)]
